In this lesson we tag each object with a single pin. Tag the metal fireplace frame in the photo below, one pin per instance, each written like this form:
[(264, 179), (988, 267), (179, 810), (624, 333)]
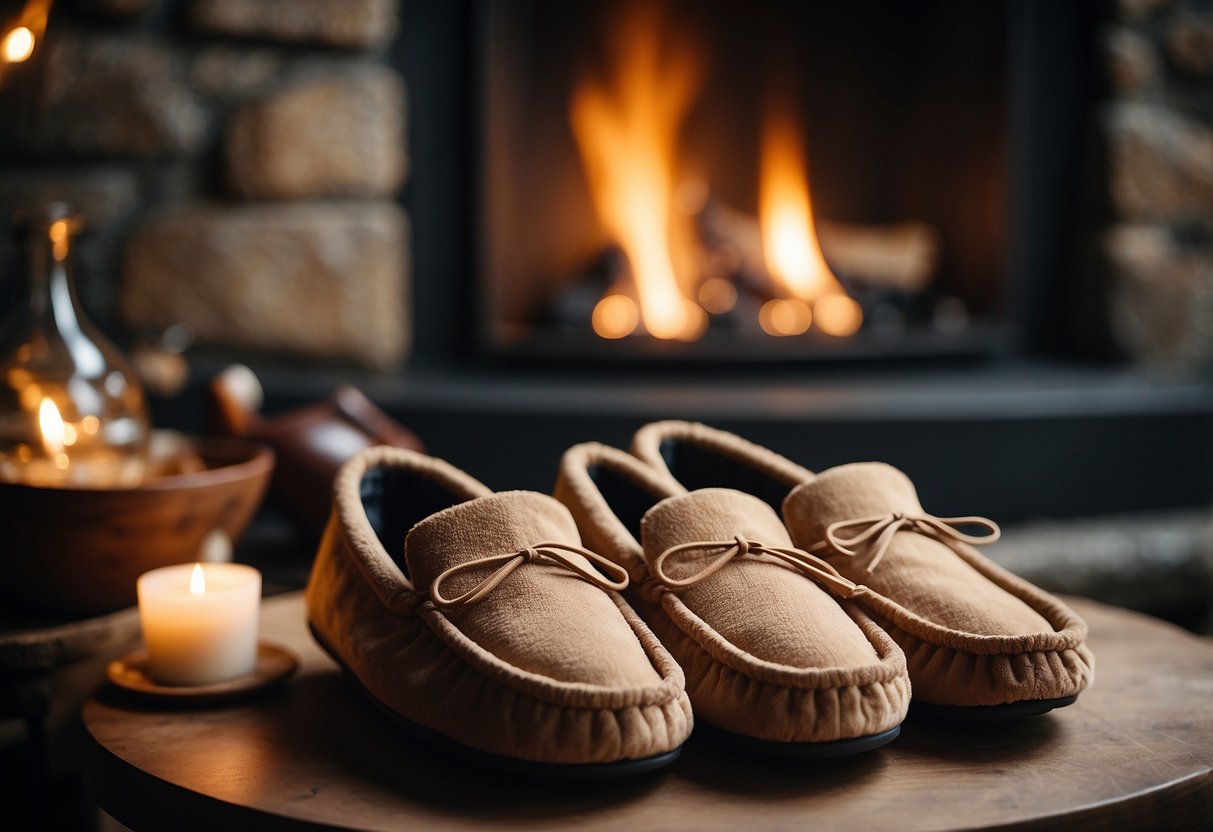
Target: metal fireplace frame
[(1051, 86)]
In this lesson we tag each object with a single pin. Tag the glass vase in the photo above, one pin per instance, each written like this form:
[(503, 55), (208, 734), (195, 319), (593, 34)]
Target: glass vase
[(71, 411)]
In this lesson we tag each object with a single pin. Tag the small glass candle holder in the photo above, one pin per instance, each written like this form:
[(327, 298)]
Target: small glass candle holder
[(71, 411)]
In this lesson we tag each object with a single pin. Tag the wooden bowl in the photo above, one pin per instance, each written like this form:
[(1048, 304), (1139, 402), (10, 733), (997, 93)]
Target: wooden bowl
[(78, 551)]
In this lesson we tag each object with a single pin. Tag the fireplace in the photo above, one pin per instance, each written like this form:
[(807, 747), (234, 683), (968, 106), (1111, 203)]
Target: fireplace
[(743, 180), (941, 140)]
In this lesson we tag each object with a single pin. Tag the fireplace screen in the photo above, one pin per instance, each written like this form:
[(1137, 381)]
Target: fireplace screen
[(743, 179)]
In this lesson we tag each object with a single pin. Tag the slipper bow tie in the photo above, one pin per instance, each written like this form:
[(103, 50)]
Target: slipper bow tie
[(739, 547), (875, 534), (555, 552)]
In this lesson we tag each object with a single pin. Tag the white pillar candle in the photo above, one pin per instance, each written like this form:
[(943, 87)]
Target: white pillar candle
[(200, 621)]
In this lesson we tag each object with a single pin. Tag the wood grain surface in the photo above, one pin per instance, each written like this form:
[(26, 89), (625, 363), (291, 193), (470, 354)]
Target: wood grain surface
[(29, 643), (1135, 752)]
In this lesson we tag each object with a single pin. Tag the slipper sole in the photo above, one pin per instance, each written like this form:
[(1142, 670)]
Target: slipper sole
[(497, 762), (989, 713), (798, 750)]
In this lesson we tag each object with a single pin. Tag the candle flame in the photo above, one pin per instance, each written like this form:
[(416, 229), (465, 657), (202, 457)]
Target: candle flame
[(51, 424), (59, 239), (19, 42), (18, 45), (197, 581)]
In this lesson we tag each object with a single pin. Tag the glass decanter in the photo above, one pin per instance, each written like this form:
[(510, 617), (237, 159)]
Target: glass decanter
[(71, 411)]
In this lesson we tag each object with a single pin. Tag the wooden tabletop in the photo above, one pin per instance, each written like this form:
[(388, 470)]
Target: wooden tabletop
[(32, 643), (1135, 752)]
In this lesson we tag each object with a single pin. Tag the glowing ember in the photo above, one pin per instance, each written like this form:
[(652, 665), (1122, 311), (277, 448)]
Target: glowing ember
[(837, 315), (717, 295), (785, 316), (626, 128), (615, 316)]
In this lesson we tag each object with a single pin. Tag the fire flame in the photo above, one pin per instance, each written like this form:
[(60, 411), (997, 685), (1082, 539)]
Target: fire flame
[(626, 128), (789, 234)]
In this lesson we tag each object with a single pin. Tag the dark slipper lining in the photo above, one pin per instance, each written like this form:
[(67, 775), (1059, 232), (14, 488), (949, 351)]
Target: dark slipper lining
[(628, 500), (396, 499), (698, 467)]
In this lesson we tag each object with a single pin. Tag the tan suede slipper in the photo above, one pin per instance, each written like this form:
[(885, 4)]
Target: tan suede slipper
[(980, 641), (771, 658), (507, 642)]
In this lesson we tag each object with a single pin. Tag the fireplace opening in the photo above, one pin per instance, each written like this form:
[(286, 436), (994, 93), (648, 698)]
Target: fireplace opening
[(744, 180)]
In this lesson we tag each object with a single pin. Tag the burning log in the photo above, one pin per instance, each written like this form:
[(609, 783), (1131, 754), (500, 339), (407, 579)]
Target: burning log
[(901, 256), (885, 267)]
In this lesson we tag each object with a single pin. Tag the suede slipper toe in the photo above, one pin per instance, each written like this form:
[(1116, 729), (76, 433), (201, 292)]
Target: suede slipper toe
[(975, 635), (773, 661), (980, 642), (508, 643)]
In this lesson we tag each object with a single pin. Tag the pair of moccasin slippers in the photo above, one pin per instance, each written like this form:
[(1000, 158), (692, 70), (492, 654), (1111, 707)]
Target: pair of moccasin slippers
[(504, 633)]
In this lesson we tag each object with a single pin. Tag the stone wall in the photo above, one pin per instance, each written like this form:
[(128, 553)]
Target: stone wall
[(1159, 133), (237, 161)]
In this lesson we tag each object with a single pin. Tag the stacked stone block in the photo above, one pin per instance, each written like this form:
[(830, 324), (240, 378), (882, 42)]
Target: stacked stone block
[(238, 163), (1159, 133)]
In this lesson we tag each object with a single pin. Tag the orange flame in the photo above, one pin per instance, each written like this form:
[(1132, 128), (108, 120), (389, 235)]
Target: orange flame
[(789, 234), (18, 43), (626, 128)]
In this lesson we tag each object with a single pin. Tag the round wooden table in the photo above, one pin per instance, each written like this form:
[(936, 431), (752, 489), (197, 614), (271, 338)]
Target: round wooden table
[(1134, 752)]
